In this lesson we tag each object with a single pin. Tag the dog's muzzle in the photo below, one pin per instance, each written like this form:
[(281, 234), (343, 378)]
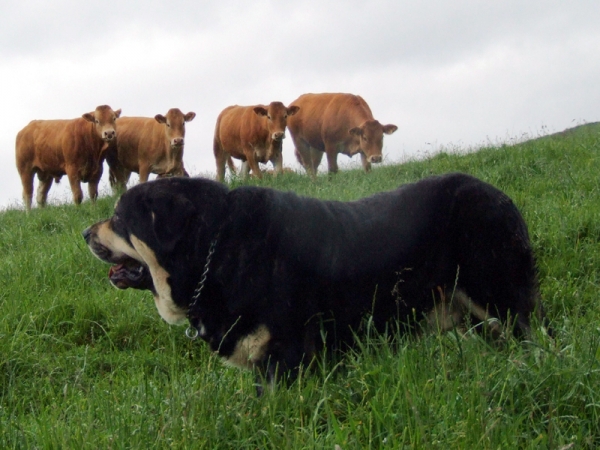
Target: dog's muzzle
[(125, 272), (130, 274)]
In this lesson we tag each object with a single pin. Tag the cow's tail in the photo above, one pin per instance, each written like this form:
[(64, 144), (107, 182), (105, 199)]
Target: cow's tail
[(112, 179)]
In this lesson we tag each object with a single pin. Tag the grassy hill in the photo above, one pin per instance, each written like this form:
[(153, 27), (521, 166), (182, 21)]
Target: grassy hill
[(83, 365)]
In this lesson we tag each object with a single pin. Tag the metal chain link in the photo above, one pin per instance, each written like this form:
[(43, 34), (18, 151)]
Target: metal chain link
[(192, 332)]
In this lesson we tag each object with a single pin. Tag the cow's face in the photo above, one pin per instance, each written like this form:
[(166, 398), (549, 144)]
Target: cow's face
[(276, 114), (104, 120), (175, 126), (368, 139)]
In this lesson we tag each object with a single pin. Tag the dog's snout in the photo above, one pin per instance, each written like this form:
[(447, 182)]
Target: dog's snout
[(86, 234)]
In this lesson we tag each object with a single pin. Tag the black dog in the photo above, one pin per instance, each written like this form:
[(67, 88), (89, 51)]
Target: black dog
[(268, 278)]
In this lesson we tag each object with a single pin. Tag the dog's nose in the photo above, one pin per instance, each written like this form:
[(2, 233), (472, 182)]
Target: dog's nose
[(86, 234)]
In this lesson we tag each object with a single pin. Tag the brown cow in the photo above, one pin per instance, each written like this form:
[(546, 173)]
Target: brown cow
[(148, 145), (53, 148), (253, 134), (336, 123)]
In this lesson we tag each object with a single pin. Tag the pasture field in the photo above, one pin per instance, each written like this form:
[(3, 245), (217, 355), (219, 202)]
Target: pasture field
[(86, 366)]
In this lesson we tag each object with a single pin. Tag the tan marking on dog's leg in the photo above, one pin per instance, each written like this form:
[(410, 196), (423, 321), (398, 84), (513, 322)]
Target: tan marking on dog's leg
[(444, 318), (476, 310), (167, 308), (251, 349), (446, 315)]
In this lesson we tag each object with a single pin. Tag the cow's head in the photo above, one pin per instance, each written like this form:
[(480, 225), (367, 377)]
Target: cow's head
[(104, 120), (368, 139), (175, 126), (277, 115)]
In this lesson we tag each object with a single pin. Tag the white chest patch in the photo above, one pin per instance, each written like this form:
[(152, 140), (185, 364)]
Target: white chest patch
[(167, 308)]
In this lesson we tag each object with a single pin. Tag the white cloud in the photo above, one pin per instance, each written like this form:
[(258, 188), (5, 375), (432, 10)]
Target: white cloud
[(445, 72)]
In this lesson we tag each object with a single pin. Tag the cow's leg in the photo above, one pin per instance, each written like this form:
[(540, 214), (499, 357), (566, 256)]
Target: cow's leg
[(221, 159), (125, 175), (244, 170), (304, 155), (231, 165), (118, 178), (251, 161), (75, 184), (113, 179), (365, 162), (27, 182), (331, 152), (144, 173), (315, 159), (43, 188), (93, 183), (93, 190)]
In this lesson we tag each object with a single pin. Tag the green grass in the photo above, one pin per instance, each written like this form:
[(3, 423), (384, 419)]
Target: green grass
[(83, 365)]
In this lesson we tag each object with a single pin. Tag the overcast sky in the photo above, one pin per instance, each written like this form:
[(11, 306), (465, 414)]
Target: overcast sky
[(448, 74)]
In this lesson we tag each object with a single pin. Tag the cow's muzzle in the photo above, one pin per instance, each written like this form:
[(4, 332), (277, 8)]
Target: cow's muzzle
[(177, 142), (109, 135), (278, 135), (375, 159)]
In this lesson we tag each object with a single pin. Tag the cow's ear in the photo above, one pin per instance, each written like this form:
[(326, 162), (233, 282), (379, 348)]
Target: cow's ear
[(189, 116), (389, 129), (356, 131), (160, 118), (171, 218), (293, 110), (118, 113), (89, 117), (261, 110)]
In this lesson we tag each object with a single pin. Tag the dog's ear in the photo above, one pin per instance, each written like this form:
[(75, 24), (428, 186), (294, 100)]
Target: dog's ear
[(171, 218)]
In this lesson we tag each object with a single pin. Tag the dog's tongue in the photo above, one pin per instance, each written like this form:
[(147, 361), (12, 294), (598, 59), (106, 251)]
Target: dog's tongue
[(114, 269), (130, 275)]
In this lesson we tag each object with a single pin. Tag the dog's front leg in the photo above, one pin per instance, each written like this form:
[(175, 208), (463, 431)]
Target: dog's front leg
[(282, 365)]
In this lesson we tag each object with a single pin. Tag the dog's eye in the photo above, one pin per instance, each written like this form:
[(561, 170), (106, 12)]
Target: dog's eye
[(115, 221)]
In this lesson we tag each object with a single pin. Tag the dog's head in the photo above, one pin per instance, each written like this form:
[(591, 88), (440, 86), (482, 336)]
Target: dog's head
[(155, 236)]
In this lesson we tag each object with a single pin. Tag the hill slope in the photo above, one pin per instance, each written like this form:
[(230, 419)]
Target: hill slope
[(83, 365)]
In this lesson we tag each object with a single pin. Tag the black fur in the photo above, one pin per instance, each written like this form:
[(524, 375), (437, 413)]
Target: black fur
[(306, 268)]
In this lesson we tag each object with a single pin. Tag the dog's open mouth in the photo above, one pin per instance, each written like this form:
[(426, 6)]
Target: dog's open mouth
[(130, 274)]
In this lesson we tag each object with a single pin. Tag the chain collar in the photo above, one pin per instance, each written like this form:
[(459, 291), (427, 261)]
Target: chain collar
[(192, 331)]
